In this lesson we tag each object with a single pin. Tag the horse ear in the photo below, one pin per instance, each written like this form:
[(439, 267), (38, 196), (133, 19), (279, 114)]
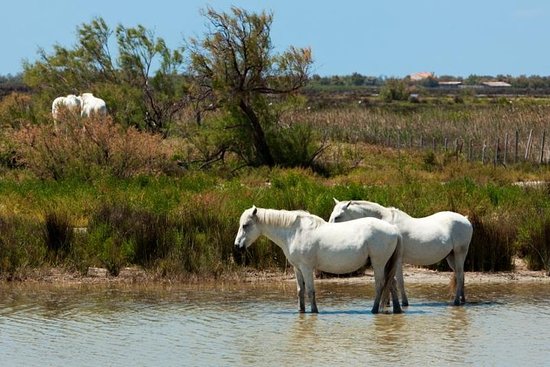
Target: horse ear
[(347, 206), (254, 210), (335, 200)]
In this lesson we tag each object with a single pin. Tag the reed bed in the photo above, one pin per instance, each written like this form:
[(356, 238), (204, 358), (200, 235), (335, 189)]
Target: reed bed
[(476, 131)]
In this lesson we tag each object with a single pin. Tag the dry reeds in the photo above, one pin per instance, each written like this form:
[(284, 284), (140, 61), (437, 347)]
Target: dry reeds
[(83, 148), (492, 130)]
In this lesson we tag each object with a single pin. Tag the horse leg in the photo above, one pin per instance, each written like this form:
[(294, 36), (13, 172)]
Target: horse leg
[(395, 298), (310, 288), (460, 281), (301, 289), (457, 265), (459, 269), (401, 284), (378, 283)]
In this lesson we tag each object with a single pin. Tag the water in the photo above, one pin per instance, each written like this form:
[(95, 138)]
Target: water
[(258, 325)]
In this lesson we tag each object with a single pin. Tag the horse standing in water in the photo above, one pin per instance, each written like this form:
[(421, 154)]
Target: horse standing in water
[(310, 243), (427, 240)]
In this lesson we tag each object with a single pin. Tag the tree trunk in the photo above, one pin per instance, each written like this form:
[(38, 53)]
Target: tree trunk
[(260, 142)]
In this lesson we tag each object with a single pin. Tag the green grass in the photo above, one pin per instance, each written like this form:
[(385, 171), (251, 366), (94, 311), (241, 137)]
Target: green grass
[(186, 225)]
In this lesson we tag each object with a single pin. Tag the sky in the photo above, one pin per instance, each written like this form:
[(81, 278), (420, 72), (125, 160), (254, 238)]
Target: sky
[(376, 38)]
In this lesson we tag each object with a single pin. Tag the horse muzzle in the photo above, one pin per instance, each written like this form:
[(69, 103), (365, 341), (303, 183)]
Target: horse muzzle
[(240, 246)]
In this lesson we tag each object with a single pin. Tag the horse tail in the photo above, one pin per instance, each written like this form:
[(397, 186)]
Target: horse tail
[(390, 269)]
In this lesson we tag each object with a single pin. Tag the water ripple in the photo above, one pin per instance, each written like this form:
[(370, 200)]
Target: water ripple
[(260, 325)]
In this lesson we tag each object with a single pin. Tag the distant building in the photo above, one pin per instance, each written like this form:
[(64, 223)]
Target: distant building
[(450, 84), (421, 76), (496, 84)]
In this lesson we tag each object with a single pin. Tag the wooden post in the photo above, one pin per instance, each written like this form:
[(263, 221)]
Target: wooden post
[(483, 152), (541, 161), (505, 149), (398, 140), (445, 145), (528, 147), (495, 160), (517, 146), (421, 141)]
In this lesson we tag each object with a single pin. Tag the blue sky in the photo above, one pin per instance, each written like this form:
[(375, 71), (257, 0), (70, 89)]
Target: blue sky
[(384, 37)]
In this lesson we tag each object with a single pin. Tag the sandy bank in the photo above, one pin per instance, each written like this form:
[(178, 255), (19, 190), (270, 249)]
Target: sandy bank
[(138, 276)]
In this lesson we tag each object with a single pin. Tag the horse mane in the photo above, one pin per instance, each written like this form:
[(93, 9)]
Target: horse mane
[(371, 204), (287, 218), (396, 212), (392, 211), (365, 202)]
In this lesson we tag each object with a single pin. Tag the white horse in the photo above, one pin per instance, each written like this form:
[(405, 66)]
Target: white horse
[(70, 102), (310, 243), (425, 240), (92, 105)]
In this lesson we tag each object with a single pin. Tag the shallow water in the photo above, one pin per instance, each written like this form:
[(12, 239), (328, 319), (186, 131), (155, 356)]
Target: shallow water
[(205, 325)]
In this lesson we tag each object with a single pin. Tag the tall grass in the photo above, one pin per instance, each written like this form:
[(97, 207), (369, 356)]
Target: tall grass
[(534, 240), (58, 233), (493, 243), (21, 247), (176, 226)]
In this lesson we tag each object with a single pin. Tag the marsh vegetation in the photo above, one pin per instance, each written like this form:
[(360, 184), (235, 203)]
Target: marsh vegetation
[(160, 182)]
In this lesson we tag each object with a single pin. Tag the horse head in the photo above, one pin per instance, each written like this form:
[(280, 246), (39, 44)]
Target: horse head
[(342, 212), (349, 210), (248, 229)]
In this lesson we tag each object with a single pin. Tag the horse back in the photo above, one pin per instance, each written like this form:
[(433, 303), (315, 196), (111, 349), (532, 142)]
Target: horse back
[(445, 227), (344, 247)]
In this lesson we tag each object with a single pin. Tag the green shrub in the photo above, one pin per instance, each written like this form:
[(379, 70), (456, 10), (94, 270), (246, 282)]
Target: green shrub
[(103, 247), (430, 162), (134, 235), (534, 241), (393, 90), (297, 145)]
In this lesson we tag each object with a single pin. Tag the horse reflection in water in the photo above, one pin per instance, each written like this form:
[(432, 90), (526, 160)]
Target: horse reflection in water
[(310, 243), (426, 241)]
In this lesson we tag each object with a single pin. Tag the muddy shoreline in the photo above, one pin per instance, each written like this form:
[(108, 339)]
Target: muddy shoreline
[(137, 276)]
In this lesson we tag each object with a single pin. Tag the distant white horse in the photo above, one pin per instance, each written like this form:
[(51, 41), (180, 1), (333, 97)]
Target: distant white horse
[(425, 240), (92, 105), (70, 102), (310, 243)]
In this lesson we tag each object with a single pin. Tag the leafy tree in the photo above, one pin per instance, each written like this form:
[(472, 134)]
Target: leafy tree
[(393, 90), (234, 67), (141, 84), (357, 79)]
